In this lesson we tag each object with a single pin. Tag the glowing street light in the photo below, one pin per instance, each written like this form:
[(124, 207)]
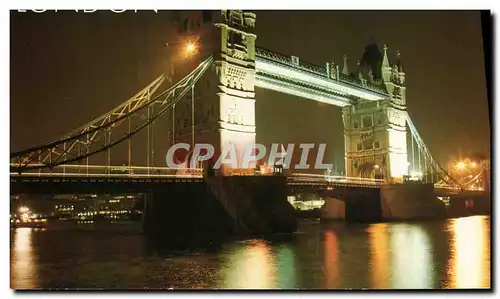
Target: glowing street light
[(23, 209), (190, 48), (461, 165), (473, 164)]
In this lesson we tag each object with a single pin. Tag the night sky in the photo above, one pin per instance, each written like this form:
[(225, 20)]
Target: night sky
[(68, 68)]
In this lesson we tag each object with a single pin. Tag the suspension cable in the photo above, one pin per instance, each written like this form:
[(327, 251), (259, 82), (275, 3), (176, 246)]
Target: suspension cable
[(420, 143), (86, 136)]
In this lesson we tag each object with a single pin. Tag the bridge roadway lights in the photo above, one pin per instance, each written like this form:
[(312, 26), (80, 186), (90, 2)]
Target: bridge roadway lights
[(85, 185)]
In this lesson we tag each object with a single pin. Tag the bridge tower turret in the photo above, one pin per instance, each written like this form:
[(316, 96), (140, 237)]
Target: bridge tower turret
[(375, 132), (396, 117), (401, 82), (345, 69)]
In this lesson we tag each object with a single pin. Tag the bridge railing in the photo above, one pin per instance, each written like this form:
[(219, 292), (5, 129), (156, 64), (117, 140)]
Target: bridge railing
[(307, 177), (457, 188), (348, 79), (117, 171), (305, 66)]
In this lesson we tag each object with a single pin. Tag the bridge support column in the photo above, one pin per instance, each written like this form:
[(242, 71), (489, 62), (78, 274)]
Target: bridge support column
[(185, 215), (353, 204), (191, 214), (410, 201)]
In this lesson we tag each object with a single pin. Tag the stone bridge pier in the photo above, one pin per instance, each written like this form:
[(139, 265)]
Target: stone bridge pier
[(218, 208), (385, 202), (355, 204)]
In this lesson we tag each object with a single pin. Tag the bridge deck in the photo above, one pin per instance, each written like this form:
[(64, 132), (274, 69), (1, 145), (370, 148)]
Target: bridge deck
[(281, 73), (77, 183), (92, 183)]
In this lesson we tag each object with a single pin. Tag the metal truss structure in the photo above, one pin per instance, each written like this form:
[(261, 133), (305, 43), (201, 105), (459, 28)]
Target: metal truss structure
[(434, 167), (102, 133)]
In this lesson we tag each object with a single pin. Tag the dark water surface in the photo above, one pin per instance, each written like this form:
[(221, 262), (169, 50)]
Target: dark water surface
[(440, 254)]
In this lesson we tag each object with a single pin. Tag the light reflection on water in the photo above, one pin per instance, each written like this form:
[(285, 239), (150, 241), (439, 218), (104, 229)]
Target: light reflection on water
[(468, 266), (412, 264), (22, 267), (379, 252), (440, 254), (286, 268), (250, 267), (332, 262)]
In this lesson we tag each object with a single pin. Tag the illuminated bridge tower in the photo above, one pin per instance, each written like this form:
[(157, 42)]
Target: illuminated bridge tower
[(225, 96), (375, 132), (236, 72)]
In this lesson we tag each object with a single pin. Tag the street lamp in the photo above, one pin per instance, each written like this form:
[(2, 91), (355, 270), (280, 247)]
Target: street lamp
[(190, 48), (461, 165)]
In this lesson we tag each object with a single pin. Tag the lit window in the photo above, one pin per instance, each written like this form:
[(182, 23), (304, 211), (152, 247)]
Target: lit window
[(377, 144), (356, 125), (360, 147)]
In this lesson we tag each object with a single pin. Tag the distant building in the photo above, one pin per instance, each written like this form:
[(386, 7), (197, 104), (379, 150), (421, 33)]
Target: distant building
[(92, 207)]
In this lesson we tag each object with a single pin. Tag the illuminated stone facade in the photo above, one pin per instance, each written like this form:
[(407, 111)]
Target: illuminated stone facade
[(224, 111), (375, 132), (236, 72), (373, 99)]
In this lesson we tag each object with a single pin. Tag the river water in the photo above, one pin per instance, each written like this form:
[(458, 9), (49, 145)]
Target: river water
[(454, 253)]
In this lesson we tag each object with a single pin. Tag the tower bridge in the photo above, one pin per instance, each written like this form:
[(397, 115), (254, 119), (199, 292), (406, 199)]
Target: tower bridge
[(222, 86), (215, 103)]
